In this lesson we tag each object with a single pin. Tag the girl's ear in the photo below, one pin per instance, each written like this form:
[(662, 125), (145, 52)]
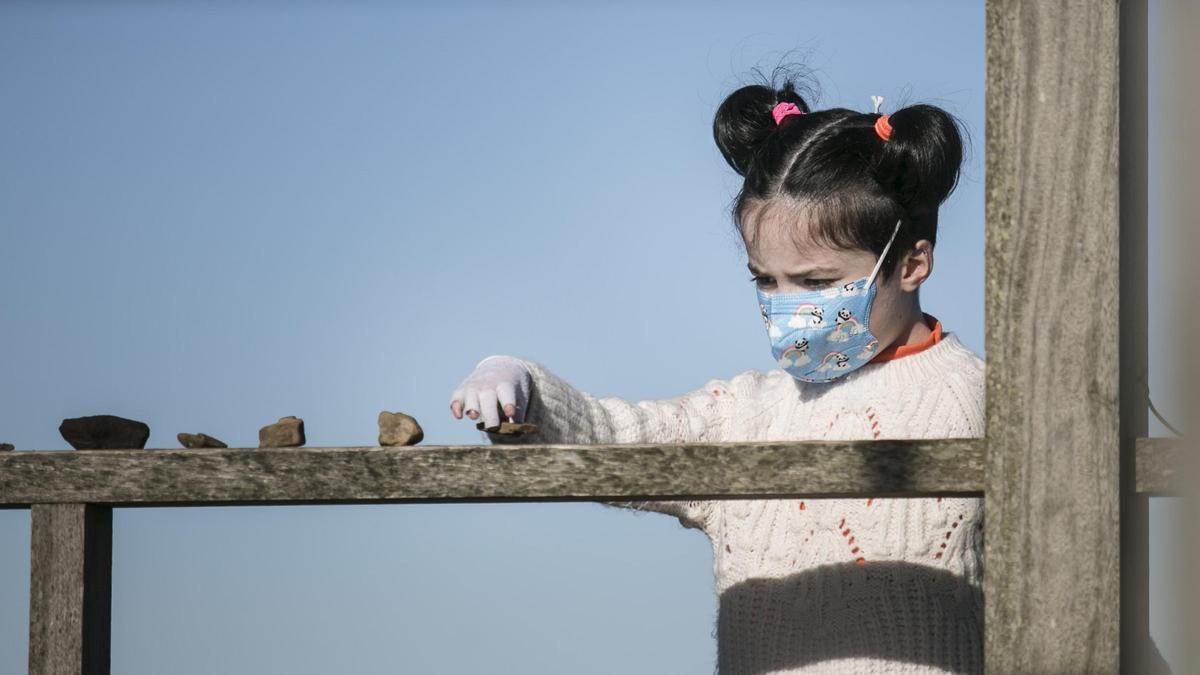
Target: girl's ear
[(916, 266)]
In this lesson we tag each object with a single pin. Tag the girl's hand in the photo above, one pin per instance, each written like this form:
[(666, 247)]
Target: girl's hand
[(499, 385)]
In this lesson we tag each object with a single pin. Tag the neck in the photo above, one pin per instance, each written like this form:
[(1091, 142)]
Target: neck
[(916, 333), (915, 330)]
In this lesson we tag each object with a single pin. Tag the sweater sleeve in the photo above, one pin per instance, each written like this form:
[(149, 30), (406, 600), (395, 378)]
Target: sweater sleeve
[(567, 415)]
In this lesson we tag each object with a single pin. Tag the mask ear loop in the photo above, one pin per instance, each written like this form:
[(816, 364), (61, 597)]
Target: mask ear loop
[(879, 263)]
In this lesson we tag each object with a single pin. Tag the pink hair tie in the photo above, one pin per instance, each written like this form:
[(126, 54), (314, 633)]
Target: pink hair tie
[(783, 109)]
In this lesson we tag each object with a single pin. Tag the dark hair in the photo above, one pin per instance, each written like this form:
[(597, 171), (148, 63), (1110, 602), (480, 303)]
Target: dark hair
[(832, 166)]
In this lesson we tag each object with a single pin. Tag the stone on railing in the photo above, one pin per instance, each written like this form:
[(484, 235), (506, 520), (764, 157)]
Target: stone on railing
[(399, 429), (288, 432), (199, 441), (104, 432)]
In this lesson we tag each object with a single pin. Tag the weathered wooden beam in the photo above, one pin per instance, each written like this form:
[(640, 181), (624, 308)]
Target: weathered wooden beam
[(70, 590), (30, 477), (1052, 586), (492, 473)]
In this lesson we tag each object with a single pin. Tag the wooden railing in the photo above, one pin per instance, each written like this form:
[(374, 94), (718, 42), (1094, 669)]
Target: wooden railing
[(488, 473)]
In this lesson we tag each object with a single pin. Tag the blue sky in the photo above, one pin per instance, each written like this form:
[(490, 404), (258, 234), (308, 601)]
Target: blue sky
[(211, 217)]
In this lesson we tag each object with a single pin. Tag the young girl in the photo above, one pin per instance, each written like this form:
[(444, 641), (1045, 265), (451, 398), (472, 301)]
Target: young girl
[(838, 214)]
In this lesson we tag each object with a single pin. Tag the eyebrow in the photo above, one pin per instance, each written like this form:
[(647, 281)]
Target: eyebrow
[(802, 273)]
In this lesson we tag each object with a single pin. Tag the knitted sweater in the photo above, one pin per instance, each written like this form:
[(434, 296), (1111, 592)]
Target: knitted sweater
[(827, 585)]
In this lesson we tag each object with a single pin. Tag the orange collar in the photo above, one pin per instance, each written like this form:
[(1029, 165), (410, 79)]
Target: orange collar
[(900, 350)]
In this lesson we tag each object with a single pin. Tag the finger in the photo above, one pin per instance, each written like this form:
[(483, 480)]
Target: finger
[(456, 403), (471, 403), (508, 398), (487, 406)]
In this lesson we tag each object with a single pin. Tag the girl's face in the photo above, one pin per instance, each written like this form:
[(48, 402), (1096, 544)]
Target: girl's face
[(783, 261)]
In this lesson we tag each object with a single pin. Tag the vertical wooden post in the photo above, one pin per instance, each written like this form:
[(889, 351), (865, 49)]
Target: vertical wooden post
[(70, 590), (1052, 504)]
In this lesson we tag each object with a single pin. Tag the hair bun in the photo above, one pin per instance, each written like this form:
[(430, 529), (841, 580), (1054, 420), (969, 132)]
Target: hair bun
[(745, 120), (922, 157)]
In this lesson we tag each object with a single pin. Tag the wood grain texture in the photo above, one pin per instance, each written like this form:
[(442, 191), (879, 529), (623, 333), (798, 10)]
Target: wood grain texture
[(70, 590), (493, 473), (1052, 547)]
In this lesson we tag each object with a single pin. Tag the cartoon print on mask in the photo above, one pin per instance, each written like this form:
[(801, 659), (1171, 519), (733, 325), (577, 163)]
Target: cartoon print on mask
[(846, 325), (846, 290), (772, 329), (795, 355), (834, 361), (807, 315), (868, 352)]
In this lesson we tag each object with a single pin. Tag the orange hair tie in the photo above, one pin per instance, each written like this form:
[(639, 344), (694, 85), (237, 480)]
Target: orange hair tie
[(883, 128)]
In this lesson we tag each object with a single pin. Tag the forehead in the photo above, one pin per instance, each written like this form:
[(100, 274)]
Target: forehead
[(782, 234)]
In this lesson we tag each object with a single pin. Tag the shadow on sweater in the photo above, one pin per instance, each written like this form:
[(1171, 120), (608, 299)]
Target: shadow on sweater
[(893, 610)]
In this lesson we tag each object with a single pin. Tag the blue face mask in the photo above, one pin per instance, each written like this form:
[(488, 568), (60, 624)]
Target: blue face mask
[(817, 336)]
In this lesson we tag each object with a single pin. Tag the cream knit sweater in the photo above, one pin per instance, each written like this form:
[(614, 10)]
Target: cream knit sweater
[(880, 585)]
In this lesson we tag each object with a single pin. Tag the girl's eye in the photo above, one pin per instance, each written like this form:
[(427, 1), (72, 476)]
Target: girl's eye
[(811, 283)]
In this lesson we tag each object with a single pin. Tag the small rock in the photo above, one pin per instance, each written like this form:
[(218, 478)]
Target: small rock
[(399, 429), (288, 432), (5, 447), (199, 441), (509, 428), (104, 432)]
